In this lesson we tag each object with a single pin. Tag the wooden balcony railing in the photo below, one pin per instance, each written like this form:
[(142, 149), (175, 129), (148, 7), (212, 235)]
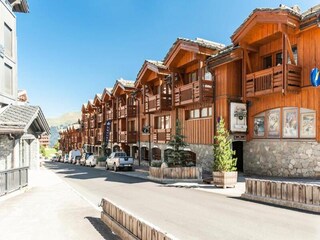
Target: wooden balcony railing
[(161, 135), (273, 80), (92, 123), (158, 102), (99, 135), (99, 118), (92, 140), (127, 111), (109, 115), (193, 92), (128, 137)]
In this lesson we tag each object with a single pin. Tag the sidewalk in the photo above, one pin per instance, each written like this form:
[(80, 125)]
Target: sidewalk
[(50, 209)]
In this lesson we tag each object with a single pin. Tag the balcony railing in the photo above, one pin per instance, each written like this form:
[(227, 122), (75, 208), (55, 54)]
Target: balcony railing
[(193, 92), (109, 115), (127, 111), (272, 80), (128, 137), (99, 118), (92, 125), (161, 135), (99, 135), (13, 179), (158, 102)]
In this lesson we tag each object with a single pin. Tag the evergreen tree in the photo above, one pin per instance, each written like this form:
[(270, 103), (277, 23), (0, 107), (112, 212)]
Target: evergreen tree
[(177, 156), (223, 153)]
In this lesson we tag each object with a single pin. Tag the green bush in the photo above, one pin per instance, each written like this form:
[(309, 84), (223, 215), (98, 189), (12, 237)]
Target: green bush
[(102, 159), (222, 150), (156, 163)]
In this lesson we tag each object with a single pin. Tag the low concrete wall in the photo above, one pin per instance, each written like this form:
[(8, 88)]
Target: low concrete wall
[(175, 173), (127, 226), (289, 194)]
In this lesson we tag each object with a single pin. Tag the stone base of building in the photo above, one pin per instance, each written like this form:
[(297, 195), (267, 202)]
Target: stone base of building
[(282, 158)]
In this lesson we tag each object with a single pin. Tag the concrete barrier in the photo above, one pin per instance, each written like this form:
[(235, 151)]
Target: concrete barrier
[(128, 226), (302, 196)]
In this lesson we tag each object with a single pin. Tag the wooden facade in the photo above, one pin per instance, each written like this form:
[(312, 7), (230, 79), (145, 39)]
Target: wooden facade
[(266, 68)]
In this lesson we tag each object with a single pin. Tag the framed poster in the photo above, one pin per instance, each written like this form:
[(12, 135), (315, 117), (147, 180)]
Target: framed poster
[(290, 123), (238, 117), (308, 125), (274, 123), (258, 130)]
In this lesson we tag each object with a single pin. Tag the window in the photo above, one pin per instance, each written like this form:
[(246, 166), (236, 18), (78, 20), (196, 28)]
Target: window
[(131, 126), (7, 40), (163, 122), (7, 87), (199, 113), (295, 55), (267, 62), (192, 76), (278, 58)]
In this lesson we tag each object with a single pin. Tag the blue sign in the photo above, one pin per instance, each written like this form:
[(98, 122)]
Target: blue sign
[(314, 77), (108, 129)]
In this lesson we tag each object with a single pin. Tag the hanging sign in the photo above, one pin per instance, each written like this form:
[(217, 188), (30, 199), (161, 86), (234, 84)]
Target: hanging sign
[(108, 129), (238, 117), (314, 77)]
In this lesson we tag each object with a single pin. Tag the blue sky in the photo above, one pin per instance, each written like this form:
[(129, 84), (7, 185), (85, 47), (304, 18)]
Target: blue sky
[(70, 50)]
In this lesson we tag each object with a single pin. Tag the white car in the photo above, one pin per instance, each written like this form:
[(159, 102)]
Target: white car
[(91, 161), (119, 160), (54, 159)]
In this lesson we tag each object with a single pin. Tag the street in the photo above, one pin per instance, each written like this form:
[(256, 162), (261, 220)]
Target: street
[(189, 213)]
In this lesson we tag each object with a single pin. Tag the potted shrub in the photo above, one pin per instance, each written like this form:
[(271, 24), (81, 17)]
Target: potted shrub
[(224, 165)]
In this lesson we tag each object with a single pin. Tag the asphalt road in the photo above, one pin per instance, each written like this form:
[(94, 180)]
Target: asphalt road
[(189, 213)]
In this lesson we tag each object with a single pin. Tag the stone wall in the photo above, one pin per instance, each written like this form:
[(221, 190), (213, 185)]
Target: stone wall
[(282, 158)]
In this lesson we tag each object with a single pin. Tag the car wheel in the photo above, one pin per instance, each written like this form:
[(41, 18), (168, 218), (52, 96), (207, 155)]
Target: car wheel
[(90, 165), (115, 167)]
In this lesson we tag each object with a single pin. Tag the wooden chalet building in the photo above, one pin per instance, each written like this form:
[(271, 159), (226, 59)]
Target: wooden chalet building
[(260, 85), (267, 68)]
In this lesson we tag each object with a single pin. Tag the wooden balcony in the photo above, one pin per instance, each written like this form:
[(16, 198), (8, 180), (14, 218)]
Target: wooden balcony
[(92, 140), (99, 118), (158, 102), (99, 135), (161, 135), (127, 111), (128, 137), (193, 93), (92, 123), (273, 80), (85, 124), (109, 115)]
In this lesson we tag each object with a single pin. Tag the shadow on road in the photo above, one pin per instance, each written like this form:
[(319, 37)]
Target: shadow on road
[(101, 228), (83, 173)]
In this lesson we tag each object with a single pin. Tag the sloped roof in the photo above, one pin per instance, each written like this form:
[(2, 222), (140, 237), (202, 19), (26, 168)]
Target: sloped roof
[(19, 6), (126, 83), (22, 117), (158, 64)]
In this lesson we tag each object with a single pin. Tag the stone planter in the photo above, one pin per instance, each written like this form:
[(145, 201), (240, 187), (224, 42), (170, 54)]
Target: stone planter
[(175, 173), (225, 179)]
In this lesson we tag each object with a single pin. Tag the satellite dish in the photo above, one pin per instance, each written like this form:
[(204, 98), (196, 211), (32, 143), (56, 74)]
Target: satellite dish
[(314, 77)]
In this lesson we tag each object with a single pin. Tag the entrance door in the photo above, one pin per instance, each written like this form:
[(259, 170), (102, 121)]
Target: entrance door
[(238, 147)]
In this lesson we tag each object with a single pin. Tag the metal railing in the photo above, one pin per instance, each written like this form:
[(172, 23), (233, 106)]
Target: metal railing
[(13, 179)]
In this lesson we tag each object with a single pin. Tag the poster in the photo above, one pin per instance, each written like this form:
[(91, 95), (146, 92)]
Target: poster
[(307, 125), (290, 123), (274, 123), (238, 117), (258, 130)]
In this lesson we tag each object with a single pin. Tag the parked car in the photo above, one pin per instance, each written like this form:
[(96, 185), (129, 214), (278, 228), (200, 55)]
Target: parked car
[(84, 158), (76, 160), (119, 160), (66, 158), (54, 159), (91, 161)]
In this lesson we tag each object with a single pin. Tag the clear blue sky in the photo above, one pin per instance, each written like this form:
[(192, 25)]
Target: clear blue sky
[(69, 50)]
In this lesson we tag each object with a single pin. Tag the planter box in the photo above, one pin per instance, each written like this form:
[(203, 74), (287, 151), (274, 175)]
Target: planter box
[(225, 179), (175, 173)]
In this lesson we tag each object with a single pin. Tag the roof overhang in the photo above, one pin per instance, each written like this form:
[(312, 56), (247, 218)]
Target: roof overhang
[(150, 72), (275, 21), (19, 6)]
